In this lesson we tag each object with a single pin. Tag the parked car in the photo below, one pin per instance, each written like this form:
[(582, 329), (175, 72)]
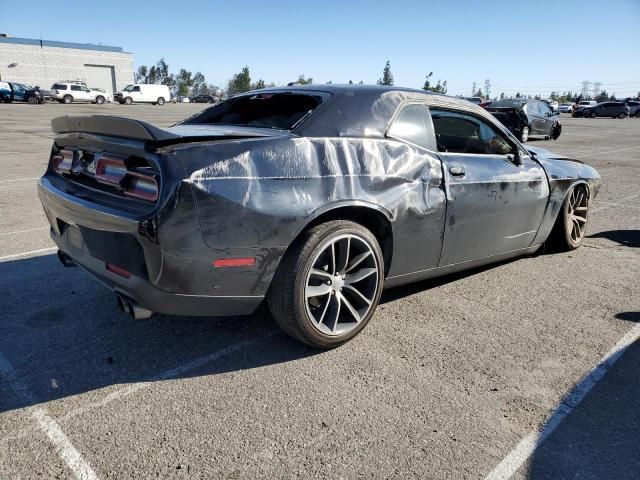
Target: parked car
[(607, 109), (182, 99), (552, 104), (476, 100), (313, 198), (526, 117), (21, 92), (143, 93), (70, 92), (5, 92), (204, 99), (485, 104), (634, 108), (566, 107), (578, 111)]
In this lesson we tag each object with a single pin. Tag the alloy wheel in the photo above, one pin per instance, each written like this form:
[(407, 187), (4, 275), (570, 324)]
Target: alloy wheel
[(341, 284), (577, 214)]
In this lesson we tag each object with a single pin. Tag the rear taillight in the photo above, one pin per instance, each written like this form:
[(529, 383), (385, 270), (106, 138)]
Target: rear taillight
[(141, 186), (62, 162), (111, 170)]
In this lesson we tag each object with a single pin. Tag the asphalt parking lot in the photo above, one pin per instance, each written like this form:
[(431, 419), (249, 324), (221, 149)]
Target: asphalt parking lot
[(453, 378)]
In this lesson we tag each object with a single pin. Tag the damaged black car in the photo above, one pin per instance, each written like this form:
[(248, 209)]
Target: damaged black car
[(309, 198), (526, 118)]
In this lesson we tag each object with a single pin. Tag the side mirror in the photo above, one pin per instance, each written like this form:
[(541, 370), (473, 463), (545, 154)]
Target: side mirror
[(516, 159)]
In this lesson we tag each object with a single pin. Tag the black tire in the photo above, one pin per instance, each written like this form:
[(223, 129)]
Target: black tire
[(160, 101), (621, 115), (593, 114), (99, 100), (556, 130), (32, 100), (562, 238), (67, 99), (524, 134), (287, 297), (128, 100)]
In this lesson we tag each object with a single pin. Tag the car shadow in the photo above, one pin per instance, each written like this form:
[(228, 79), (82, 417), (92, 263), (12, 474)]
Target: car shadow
[(61, 334), (626, 238), (599, 438)]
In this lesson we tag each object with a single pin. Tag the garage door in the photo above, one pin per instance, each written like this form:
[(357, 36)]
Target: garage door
[(100, 76)]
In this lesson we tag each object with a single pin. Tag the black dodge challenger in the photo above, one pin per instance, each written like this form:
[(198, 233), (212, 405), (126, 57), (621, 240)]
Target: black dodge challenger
[(313, 198)]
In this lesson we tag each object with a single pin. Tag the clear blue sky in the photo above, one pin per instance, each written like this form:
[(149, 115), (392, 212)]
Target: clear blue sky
[(531, 47)]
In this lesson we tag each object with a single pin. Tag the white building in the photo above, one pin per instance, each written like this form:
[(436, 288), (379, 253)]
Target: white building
[(43, 62)]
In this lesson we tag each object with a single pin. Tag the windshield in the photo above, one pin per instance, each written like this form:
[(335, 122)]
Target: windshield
[(128, 88), (279, 110), (507, 103), (585, 103)]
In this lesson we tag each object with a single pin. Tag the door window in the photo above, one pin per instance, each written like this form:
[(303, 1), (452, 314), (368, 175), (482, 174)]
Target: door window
[(412, 125), (463, 133), (135, 89), (76, 88), (544, 109)]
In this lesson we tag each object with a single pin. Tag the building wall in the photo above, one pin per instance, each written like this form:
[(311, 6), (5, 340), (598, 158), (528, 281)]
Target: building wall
[(45, 65)]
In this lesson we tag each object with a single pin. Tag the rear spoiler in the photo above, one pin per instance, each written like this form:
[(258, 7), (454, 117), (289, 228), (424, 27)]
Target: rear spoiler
[(112, 126)]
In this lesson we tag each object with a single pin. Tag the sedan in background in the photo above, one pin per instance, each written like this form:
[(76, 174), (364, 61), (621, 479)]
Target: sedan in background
[(634, 108), (312, 199), (204, 99), (527, 117), (566, 107), (607, 109)]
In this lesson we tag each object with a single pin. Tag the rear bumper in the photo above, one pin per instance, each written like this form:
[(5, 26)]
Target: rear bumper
[(162, 279)]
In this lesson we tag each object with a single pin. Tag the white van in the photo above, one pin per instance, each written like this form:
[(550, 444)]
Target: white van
[(143, 93)]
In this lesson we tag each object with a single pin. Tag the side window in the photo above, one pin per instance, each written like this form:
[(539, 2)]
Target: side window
[(534, 108), (412, 125), (76, 88), (544, 109), (135, 89), (463, 133)]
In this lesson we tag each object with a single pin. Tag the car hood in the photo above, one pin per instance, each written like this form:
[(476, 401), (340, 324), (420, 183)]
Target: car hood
[(543, 153)]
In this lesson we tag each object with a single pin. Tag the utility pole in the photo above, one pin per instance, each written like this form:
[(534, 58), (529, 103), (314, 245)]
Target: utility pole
[(487, 88), (585, 88), (473, 89), (596, 89)]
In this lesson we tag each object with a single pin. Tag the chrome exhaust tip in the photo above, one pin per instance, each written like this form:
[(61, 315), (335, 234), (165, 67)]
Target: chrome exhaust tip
[(132, 308)]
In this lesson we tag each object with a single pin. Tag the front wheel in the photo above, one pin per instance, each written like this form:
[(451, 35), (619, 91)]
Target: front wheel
[(593, 114), (621, 115), (32, 100), (128, 100), (67, 99), (99, 99), (328, 284), (524, 134), (571, 224)]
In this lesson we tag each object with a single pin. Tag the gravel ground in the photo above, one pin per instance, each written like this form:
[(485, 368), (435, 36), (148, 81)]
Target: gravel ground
[(444, 382)]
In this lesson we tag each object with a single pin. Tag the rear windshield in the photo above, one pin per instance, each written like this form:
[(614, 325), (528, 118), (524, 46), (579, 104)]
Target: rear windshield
[(282, 111), (507, 103)]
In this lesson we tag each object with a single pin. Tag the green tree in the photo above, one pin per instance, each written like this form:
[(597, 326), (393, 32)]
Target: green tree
[(141, 74), (603, 96), (152, 76), (199, 85), (501, 95), (437, 88), (162, 72), (241, 82), (612, 97), (478, 93), (304, 81), (183, 82), (360, 82), (387, 76), (258, 85), (350, 82), (518, 95)]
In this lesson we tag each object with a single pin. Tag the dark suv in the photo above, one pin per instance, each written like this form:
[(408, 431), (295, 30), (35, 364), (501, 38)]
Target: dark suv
[(526, 117), (607, 109), (203, 99)]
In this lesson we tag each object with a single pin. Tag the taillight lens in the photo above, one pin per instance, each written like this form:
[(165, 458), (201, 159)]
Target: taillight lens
[(62, 162), (110, 170), (141, 186)]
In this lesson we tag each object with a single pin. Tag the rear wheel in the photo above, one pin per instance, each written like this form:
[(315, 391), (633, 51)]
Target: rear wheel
[(571, 224), (622, 115), (160, 101), (67, 99), (524, 134), (329, 284)]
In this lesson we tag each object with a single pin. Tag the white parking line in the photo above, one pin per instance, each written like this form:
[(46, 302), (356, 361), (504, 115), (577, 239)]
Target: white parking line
[(20, 180), (525, 448), (15, 232), (71, 456), (32, 253)]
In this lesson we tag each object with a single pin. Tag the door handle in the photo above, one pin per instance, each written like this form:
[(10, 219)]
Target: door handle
[(456, 170)]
